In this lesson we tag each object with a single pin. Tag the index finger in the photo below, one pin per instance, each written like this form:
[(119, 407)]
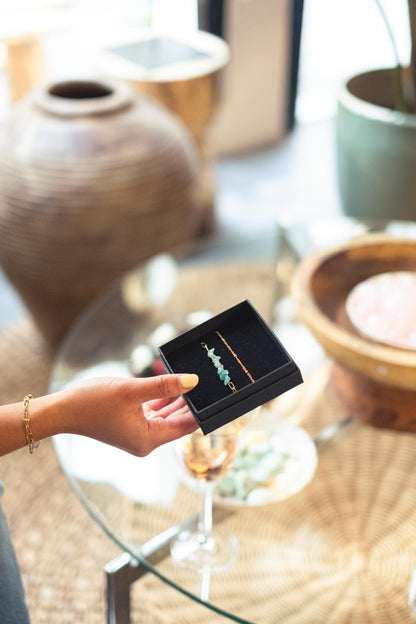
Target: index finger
[(156, 405), (177, 425)]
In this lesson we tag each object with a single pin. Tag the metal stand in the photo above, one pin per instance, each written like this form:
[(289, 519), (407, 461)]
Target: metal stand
[(126, 569), (120, 574)]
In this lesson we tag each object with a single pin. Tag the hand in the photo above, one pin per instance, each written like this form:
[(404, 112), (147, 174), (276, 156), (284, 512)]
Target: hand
[(135, 415)]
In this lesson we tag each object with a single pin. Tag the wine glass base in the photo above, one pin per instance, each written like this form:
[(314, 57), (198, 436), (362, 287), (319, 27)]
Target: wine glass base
[(189, 549)]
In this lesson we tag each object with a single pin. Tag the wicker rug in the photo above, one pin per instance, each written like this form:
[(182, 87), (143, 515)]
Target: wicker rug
[(61, 551), (344, 553)]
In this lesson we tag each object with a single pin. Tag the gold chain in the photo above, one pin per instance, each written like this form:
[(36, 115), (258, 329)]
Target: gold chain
[(26, 421), (236, 357)]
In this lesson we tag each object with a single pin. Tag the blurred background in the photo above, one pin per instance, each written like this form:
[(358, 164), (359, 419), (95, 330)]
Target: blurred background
[(270, 141), (131, 130)]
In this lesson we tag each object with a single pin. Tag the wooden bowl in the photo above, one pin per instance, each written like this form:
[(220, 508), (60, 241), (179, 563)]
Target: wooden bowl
[(377, 382)]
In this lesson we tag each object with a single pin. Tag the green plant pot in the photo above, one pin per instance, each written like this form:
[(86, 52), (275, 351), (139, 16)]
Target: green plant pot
[(375, 149)]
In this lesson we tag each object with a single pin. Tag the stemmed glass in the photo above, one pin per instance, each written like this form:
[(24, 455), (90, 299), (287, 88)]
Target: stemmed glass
[(207, 458)]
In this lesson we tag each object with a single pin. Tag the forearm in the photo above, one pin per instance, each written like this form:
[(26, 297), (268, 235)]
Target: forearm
[(117, 411), (47, 418)]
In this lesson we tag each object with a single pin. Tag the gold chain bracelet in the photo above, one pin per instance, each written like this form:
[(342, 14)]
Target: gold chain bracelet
[(26, 422), (236, 357)]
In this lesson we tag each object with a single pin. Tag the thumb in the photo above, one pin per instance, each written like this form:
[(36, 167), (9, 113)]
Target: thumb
[(168, 385)]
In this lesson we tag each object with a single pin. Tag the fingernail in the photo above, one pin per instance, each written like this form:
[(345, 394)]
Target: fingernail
[(189, 381)]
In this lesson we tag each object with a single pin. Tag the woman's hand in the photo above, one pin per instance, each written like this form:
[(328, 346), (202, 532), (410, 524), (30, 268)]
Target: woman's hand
[(135, 415)]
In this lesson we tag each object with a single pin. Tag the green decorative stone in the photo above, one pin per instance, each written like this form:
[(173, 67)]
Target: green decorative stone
[(223, 374)]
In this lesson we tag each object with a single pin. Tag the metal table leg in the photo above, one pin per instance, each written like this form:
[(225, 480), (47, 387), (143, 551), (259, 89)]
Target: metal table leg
[(126, 569), (120, 574)]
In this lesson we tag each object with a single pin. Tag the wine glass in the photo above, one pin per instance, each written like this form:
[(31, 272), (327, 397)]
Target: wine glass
[(207, 458)]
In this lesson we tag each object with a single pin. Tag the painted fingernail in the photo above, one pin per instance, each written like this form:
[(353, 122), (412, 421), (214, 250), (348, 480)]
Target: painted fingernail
[(189, 381)]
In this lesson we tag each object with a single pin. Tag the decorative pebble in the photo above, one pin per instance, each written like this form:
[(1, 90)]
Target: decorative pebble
[(255, 464), (142, 359), (162, 334), (196, 318), (258, 496)]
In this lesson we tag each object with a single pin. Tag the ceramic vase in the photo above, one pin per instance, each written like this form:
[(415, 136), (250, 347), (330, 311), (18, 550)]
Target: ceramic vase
[(375, 149), (93, 180)]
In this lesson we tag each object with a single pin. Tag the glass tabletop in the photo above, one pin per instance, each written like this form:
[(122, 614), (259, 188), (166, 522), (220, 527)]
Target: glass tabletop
[(339, 546)]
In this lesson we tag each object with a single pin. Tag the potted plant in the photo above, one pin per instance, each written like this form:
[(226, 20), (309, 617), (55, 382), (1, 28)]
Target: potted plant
[(376, 137)]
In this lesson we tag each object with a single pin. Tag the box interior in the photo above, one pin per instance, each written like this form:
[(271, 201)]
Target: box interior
[(250, 340)]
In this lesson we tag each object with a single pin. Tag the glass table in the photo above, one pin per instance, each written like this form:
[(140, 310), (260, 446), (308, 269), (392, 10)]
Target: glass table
[(340, 547)]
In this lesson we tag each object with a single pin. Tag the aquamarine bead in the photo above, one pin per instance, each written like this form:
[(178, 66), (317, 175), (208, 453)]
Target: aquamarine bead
[(223, 373)]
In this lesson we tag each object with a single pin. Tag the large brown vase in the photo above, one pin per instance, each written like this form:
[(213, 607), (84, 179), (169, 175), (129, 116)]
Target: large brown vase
[(93, 179)]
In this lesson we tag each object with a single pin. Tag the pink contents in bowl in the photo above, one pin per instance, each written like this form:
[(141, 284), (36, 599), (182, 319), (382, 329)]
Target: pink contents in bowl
[(383, 307)]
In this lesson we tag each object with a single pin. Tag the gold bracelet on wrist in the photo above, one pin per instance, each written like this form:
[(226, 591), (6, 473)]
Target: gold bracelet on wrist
[(26, 423)]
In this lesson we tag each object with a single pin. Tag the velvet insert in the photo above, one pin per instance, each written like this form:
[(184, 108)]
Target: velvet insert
[(212, 402)]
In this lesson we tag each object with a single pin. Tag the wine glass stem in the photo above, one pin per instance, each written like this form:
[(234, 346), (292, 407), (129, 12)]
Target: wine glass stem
[(205, 517)]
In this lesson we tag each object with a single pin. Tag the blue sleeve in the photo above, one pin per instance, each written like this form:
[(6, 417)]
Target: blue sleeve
[(13, 608)]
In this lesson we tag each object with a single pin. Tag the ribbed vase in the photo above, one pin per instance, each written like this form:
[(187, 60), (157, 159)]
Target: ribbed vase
[(93, 180)]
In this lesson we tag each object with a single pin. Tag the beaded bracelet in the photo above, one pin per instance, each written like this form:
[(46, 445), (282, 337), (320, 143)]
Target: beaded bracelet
[(222, 372)]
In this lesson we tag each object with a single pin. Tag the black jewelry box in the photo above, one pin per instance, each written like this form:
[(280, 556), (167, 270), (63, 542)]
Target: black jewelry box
[(242, 339)]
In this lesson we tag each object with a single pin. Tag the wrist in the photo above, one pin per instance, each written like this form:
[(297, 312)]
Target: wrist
[(47, 416)]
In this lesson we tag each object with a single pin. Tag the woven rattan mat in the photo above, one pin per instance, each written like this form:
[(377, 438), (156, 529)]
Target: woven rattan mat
[(345, 553), (61, 551)]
